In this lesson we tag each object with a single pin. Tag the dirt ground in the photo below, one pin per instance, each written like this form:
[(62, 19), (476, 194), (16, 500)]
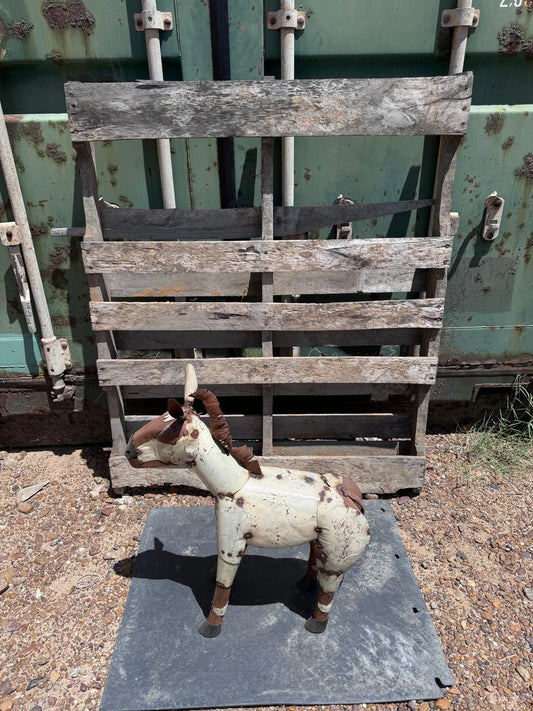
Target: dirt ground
[(61, 600)]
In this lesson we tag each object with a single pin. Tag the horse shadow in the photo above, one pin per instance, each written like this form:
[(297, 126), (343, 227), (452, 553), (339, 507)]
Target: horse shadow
[(260, 579)]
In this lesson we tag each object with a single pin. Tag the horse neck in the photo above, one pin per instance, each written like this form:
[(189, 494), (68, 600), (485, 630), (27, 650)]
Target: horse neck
[(219, 471)]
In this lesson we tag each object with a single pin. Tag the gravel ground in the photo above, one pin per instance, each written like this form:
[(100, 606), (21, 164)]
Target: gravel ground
[(61, 600)]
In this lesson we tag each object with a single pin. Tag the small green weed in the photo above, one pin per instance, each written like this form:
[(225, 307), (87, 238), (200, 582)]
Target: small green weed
[(501, 445)]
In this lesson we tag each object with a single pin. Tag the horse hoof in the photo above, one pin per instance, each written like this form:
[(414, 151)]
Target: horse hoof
[(306, 584), (315, 626), (206, 629)]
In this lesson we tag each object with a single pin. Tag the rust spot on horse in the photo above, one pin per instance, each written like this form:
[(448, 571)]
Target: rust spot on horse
[(240, 501), (330, 573), (247, 535)]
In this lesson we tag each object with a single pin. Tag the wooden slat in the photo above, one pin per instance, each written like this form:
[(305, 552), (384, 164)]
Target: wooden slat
[(366, 281), (323, 426), (403, 106), (156, 340), (238, 223), (378, 474), (267, 255), (269, 371), (126, 316), (153, 390)]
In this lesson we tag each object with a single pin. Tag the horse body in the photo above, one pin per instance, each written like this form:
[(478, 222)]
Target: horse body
[(266, 507)]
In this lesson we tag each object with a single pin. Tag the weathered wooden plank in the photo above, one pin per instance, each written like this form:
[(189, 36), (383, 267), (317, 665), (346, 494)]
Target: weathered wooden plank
[(403, 106), (380, 474), (305, 427), (244, 284), (238, 223), (267, 283), (267, 255), (192, 316), (154, 340), (124, 476), (333, 448), (269, 371), (152, 390)]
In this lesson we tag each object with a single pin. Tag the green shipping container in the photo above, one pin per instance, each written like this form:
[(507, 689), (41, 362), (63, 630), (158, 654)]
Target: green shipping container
[(487, 338)]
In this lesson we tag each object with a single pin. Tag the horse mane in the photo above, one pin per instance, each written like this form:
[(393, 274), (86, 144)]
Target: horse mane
[(220, 432)]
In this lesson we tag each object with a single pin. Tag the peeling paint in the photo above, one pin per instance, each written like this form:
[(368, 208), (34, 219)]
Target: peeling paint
[(70, 13), (30, 131), (54, 152), (55, 57), (40, 229), (113, 170), (526, 171), (20, 30), (510, 39), (507, 143), (494, 123)]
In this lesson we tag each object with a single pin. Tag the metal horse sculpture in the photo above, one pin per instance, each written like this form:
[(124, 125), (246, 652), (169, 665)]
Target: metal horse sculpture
[(267, 507)]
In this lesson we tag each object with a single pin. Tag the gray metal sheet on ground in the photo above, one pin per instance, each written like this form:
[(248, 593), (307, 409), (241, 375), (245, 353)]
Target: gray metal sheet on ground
[(380, 644)]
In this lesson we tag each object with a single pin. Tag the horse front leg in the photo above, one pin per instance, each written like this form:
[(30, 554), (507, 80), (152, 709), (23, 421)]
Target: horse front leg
[(212, 626)]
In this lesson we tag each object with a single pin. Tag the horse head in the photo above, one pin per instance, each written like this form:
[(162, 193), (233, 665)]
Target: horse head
[(174, 437), (161, 441)]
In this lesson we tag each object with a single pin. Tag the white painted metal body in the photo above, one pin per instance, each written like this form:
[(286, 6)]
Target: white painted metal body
[(269, 507), (282, 508)]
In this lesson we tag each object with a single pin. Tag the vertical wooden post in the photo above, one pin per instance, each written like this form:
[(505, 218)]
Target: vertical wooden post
[(267, 284), (105, 343)]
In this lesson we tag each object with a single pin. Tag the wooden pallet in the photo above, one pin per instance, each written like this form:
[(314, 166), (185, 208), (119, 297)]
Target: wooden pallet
[(359, 415)]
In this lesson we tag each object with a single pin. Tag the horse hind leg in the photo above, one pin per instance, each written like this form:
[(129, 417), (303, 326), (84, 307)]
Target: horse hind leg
[(212, 626), (309, 580), (329, 583)]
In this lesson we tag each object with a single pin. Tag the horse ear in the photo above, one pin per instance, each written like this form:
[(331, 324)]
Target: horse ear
[(175, 409), (191, 385)]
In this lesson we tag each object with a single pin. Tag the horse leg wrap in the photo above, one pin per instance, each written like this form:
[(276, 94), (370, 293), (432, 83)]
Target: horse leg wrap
[(213, 625), (319, 621)]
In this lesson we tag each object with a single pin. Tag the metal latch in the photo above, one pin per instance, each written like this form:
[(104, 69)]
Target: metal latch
[(494, 205), (460, 17), (286, 19), (56, 355), (10, 237), (148, 20), (344, 230)]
